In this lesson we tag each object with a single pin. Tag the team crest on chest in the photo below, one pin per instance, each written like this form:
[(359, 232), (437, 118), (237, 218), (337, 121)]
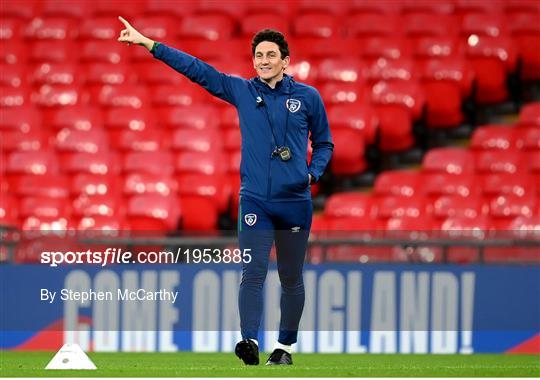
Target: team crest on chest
[(293, 105), (250, 219)]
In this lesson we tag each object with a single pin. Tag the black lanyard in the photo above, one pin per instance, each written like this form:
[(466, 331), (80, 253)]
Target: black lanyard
[(263, 104)]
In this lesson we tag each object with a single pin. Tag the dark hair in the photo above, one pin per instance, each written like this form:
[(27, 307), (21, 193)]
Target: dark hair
[(272, 36)]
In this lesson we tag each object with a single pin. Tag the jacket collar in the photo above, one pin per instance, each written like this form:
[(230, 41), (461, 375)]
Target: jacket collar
[(282, 87)]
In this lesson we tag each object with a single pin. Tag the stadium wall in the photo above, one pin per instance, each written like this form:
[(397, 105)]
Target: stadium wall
[(349, 309)]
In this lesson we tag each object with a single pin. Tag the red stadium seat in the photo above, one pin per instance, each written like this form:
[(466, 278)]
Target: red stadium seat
[(463, 7), (504, 183), (525, 30), (57, 96), (213, 187), (203, 163), (140, 141), (157, 73), (492, 59), (14, 97), (149, 162), (373, 25), (456, 206), (9, 210), (55, 74), (212, 7), (131, 96), (66, 8), (165, 8), (468, 230), (102, 28), (500, 161), (316, 25), (404, 183), (229, 118), (253, 23), (41, 162), (350, 204), (391, 69), (44, 186), (206, 27), (94, 184), (12, 75), (97, 205), (446, 83), (373, 48), (168, 95), (395, 127), (122, 118), (234, 161), (448, 160), (107, 73), (34, 223), (417, 25), (153, 212), (17, 140), (493, 137), (101, 223), (349, 151), (111, 9), (217, 50), (340, 70), (527, 138), (521, 6), (25, 9), (529, 115), (441, 47), (22, 119), (157, 27), (78, 117), (233, 67), (427, 6), (53, 52), (309, 6), (381, 7), (436, 184), (43, 207), (143, 183), (511, 205), (399, 206), (331, 47), (103, 51), (408, 94), (482, 24), (13, 52), (196, 140), (232, 139), (72, 141), (104, 163), (343, 93), (360, 117), (50, 29), (196, 117)]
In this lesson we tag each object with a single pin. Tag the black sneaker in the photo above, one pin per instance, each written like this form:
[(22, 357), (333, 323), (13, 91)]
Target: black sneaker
[(279, 357), (248, 351)]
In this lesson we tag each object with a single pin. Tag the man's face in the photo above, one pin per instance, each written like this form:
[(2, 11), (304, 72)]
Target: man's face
[(267, 61)]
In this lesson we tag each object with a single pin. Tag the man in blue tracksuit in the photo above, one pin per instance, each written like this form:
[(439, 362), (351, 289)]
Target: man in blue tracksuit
[(277, 114)]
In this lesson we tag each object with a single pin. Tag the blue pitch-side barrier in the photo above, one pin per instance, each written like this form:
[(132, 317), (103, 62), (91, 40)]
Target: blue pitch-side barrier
[(349, 308)]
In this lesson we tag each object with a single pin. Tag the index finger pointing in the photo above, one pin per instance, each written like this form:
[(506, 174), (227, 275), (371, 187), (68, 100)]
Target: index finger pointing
[(126, 24)]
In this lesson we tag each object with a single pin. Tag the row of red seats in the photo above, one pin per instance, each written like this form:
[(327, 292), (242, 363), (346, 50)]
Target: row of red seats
[(26, 9), (221, 27), (497, 174)]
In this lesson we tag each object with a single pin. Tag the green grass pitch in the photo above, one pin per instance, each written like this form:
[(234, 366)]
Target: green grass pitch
[(32, 364)]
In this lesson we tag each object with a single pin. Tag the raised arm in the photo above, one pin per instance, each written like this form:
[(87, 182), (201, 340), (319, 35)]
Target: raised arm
[(216, 83)]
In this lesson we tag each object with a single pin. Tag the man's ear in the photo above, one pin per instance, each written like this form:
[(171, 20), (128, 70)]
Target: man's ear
[(286, 62)]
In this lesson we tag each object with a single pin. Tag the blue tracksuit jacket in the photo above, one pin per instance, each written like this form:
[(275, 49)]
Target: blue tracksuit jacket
[(265, 177)]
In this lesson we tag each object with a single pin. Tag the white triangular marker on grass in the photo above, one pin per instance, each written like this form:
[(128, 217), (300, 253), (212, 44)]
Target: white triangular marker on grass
[(71, 356)]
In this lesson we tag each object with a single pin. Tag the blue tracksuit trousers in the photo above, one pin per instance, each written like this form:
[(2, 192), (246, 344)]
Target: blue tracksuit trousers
[(261, 223)]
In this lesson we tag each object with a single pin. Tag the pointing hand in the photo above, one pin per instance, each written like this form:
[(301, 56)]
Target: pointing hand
[(130, 35)]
